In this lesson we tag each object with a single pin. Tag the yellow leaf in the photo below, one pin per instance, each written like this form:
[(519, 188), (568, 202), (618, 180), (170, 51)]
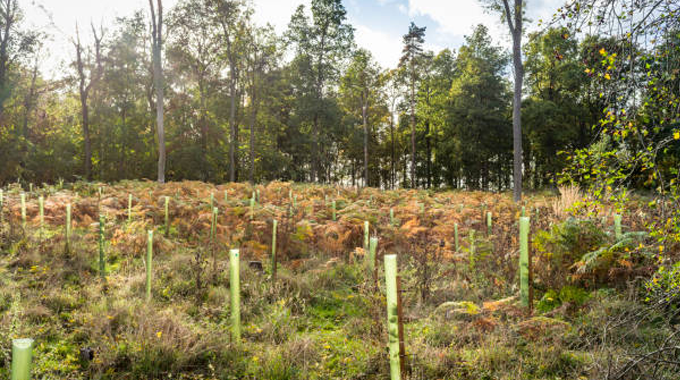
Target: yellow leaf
[(676, 136)]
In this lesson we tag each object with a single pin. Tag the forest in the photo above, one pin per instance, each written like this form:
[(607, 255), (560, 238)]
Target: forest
[(194, 195)]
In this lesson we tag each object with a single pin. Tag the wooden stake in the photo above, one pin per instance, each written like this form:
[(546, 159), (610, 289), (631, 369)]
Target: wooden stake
[(400, 321)]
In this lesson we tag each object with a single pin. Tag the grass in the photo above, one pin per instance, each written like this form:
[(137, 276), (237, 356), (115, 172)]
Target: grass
[(323, 318)]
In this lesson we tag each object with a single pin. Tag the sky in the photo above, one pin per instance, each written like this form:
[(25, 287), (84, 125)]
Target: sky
[(379, 24)]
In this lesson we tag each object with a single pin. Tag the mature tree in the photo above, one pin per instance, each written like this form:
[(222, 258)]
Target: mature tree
[(411, 53), (321, 44), (233, 17), (360, 87), (14, 44), (476, 136), (262, 56), (89, 68), (195, 47), (513, 13), (157, 48)]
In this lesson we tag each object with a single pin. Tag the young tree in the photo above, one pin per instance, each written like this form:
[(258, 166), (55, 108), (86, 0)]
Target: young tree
[(157, 47), (85, 84), (411, 53)]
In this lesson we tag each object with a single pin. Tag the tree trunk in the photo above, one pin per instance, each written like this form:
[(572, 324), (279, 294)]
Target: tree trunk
[(413, 128), (364, 107), (393, 174), (157, 31), (232, 120), (253, 120)]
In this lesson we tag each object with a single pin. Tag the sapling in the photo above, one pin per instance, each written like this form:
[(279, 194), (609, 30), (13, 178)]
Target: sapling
[(524, 260), (22, 355), (23, 211), (102, 269), (235, 294), (617, 227), (149, 254), (274, 227), (392, 315), (167, 216)]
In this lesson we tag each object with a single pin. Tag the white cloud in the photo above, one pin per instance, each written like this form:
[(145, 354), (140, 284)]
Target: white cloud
[(276, 12), (457, 18), (385, 48)]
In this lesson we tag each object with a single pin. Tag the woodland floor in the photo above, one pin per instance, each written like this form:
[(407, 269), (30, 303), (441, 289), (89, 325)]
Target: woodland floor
[(324, 315)]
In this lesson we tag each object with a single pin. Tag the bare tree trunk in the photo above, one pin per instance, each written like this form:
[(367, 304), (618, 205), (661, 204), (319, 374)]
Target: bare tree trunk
[(232, 121), (393, 173), (253, 120), (364, 111), (157, 30), (9, 9), (413, 127), (516, 31)]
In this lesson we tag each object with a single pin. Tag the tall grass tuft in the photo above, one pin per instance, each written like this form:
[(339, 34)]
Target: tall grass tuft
[(568, 196)]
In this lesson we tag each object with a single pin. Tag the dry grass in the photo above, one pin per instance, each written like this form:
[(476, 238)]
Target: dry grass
[(568, 196)]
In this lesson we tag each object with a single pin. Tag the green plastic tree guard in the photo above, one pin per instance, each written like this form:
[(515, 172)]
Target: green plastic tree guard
[(524, 211), (68, 227), (235, 294), (617, 227), (129, 208), (102, 267), (226, 196), (23, 211), (366, 236), (167, 216), (391, 217), (212, 200), (22, 355), (455, 236), (275, 225), (489, 225), (472, 249), (392, 315), (213, 224), (372, 249), (2, 207), (41, 205), (524, 260), (334, 210), (149, 255), (252, 207)]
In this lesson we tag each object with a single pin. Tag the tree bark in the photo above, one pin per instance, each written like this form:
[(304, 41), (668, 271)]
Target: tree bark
[(413, 126), (364, 111), (516, 31), (157, 31)]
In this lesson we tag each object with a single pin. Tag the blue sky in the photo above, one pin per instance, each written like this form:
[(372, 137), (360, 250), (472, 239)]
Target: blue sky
[(379, 24)]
